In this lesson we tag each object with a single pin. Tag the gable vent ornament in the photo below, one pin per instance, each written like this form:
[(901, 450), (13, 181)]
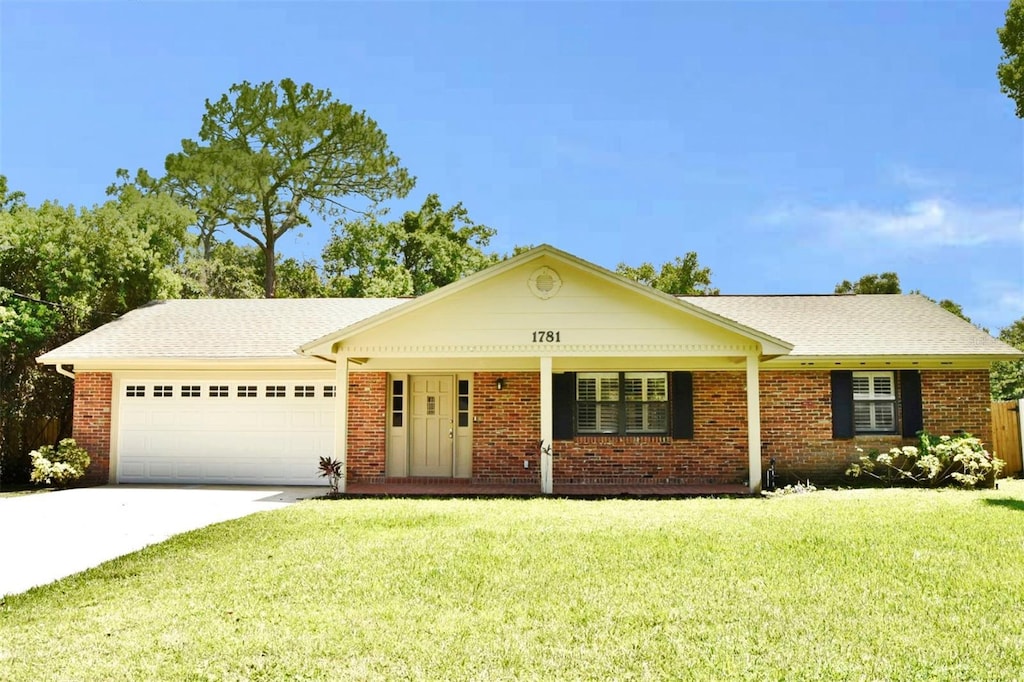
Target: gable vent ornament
[(545, 282)]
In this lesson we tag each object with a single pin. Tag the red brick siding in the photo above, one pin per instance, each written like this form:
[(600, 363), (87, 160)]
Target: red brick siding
[(91, 423), (957, 400), (506, 430), (796, 429), (717, 453), (367, 425), (796, 420)]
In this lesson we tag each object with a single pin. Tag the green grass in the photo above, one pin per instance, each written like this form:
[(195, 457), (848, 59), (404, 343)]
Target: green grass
[(860, 584)]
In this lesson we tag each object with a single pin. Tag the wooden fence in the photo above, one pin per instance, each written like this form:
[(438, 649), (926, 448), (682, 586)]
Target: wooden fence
[(42, 432), (1006, 435)]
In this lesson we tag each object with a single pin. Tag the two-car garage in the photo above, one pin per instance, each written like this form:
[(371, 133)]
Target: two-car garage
[(256, 429)]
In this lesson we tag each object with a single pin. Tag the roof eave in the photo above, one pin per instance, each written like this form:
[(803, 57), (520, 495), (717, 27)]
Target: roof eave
[(891, 360)]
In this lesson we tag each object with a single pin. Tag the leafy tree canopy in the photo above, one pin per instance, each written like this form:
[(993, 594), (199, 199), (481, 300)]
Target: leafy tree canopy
[(422, 251), (1011, 65), (271, 155), (1007, 378), (883, 283), (683, 276), (889, 283), (63, 272)]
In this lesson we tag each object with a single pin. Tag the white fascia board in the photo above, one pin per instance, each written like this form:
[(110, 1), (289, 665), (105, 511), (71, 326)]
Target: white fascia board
[(821, 362), (198, 364)]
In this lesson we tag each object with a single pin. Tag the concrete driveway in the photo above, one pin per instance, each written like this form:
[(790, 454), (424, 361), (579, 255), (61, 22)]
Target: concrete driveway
[(47, 536)]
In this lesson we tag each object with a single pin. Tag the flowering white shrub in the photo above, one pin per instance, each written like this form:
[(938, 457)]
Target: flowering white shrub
[(59, 466), (944, 460), (797, 488)]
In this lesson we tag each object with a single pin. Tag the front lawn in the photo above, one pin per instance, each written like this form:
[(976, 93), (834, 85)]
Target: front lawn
[(863, 584)]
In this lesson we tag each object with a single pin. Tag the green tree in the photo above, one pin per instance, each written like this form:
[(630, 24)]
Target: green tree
[(1011, 65), (884, 283), (683, 276), (226, 271), (889, 283), (1007, 378), (299, 279), (271, 155), (950, 306), (63, 272), (205, 200), (426, 249)]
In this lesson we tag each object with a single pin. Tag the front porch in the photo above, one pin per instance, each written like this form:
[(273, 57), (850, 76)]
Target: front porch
[(447, 487)]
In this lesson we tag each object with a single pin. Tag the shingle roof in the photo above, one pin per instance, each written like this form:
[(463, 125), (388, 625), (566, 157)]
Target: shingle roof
[(220, 328), (842, 325), (856, 325)]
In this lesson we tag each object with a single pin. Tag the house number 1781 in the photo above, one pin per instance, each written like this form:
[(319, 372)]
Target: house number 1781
[(547, 336)]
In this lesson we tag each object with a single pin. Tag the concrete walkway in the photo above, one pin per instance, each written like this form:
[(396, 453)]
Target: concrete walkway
[(47, 536)]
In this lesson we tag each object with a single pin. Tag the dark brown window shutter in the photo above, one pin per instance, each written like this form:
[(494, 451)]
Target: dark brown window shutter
[(682, 405), (563, 402), (910, 402), (842, 404)]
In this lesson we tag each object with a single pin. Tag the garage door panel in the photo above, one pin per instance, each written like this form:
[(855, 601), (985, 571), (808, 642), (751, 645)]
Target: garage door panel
[(163, 418), (217, 438)]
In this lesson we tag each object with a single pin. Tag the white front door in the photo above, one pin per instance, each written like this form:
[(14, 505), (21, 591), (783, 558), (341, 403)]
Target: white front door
[(433, 427)]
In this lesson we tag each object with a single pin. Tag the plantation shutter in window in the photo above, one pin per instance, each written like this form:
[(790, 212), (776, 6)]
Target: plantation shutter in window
[(563, 394), (842, 404), (910, 402), (682, 405)]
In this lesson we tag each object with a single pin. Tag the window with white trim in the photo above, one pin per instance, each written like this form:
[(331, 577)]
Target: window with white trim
[(622, 403), (135, 391), (276, 391), (874, 402), (646, 396), (190, 391), (163, 391), (247, 391), (219, 391)]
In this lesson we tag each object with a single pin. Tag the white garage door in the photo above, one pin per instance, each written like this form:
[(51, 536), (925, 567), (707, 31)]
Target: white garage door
[(253, 432)]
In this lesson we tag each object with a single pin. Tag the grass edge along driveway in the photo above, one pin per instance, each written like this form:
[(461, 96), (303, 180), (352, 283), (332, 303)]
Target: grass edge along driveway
[(857, 584)]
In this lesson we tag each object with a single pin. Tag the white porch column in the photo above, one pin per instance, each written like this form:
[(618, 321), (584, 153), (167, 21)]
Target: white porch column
[(754, 422), (341, 418), (547, 439)]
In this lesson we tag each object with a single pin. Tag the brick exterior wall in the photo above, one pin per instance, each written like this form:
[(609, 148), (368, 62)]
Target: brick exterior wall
[(796, 429), (957, 400), (716, 454), (367, 425), (796, 420), (91, 423), (507, 427)]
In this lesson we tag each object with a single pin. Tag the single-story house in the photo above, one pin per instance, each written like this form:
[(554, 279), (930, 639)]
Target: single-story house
[(543, 369)]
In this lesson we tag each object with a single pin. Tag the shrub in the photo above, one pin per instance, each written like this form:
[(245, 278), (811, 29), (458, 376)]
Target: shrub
[(797, 488), (959, 460), (331, 470), (59, 466)]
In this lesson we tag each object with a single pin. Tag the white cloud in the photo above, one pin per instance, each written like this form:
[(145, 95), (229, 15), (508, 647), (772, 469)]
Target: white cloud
[(907, 176), (1000, 303), (932, 221)]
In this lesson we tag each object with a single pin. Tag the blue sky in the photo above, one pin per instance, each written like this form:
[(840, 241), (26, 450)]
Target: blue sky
[(790, 144)]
